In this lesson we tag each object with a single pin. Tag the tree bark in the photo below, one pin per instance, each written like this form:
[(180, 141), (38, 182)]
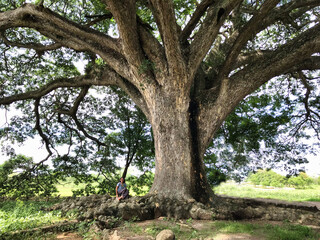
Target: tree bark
[(179, 165)]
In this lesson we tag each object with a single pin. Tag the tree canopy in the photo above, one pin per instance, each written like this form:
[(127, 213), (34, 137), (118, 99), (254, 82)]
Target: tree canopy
[(185, 64)]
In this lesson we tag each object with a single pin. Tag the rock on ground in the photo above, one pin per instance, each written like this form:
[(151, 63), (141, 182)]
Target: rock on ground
[(165, 235)]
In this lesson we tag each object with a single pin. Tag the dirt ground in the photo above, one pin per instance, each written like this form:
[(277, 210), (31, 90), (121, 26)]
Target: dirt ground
[(69, 236)]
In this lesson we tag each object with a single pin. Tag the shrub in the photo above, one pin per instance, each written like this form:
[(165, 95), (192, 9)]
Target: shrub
[(300, 181), (270, 178), (267, 178)]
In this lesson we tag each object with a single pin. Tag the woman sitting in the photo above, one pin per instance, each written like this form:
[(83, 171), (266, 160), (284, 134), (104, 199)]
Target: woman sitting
[(121, 190)]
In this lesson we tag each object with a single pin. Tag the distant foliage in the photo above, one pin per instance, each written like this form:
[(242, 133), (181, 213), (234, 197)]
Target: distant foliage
[(300, 181), (140, 185), (267, 178), (270, 178)]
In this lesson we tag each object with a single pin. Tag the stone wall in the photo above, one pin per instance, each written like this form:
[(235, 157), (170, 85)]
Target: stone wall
[(306, 213), (107, 210)]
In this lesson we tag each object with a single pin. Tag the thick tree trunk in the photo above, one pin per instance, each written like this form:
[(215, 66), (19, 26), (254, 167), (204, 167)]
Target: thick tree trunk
[(179, 167)]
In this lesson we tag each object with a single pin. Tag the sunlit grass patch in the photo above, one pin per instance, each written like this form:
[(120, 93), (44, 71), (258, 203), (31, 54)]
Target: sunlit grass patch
[(268, 231), (19, 215), (240, 190), (66, 187), (292, 232), (235, 227)]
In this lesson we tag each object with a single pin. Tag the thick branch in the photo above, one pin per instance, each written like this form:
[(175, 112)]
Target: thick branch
[(67, 33), (155, 52), (164, 14), (232, 90), (250, 30), (292, 55), (39, 48), (124, 12), (289, 12), (217, 13), (312, 63), (42, 91), (97, 77), (194, 20)]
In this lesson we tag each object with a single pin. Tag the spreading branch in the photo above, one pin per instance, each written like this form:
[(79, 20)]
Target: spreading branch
[(39, 129), (195, 18), (310, 115), (97, 18), (163, 12), (67, 33), (72, 112), (124, 13), (233, 89), (154, 51), (250, 30), (208, 32), (71, 129), (39, 48)]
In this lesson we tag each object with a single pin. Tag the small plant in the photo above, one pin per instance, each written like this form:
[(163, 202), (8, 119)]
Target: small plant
[(189, 220), (73, 213), (113, 221), (83, 229), (194, 234), (145, 66), (155, 229)]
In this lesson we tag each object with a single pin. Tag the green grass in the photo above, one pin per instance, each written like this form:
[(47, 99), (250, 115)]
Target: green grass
[(235, 227), (240, 190), (268, 231), (19, 215), (65, 188), (290, 232)]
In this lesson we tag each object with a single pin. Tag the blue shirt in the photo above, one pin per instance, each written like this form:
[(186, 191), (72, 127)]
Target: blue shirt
[(121, 186)]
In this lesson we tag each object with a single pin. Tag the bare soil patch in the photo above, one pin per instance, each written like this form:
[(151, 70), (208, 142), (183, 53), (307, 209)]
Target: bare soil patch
[(69, 236)]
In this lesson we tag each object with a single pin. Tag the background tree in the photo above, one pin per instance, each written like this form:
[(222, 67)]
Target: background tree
[(133, 142), (20, 177), (262, 133), (186, 64)]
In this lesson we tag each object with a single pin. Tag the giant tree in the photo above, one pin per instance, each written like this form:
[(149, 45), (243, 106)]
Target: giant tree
[(186, 65)]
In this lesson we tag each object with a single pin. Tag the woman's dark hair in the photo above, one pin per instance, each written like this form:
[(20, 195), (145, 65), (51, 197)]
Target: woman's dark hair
[(124, 180)]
